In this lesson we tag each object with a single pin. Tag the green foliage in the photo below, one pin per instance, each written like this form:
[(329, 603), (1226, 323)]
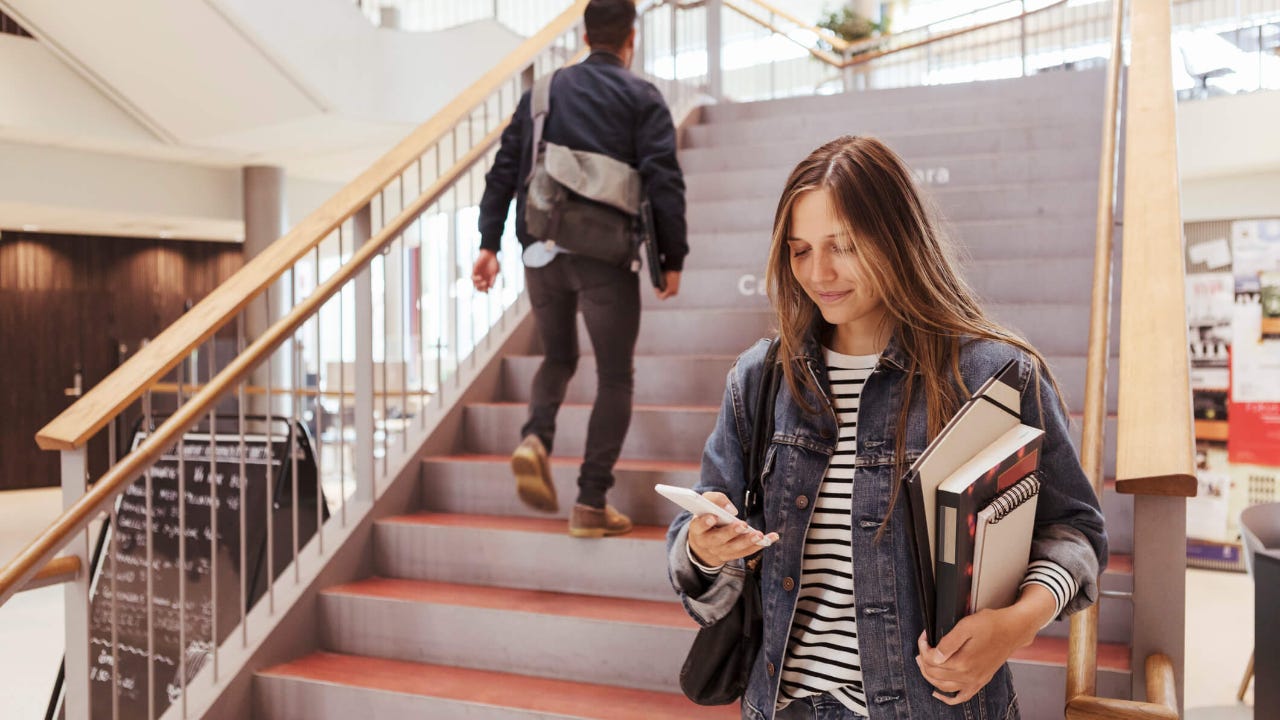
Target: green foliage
[(849, 25)]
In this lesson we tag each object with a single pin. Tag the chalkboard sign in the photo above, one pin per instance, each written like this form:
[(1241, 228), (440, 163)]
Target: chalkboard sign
[(182, 617)]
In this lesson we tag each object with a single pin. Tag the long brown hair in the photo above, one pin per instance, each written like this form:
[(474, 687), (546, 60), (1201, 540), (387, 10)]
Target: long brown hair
[(898, 241)]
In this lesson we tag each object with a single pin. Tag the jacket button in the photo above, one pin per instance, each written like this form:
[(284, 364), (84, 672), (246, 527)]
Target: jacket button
[(773, 669), (788, 584), (802, 502)]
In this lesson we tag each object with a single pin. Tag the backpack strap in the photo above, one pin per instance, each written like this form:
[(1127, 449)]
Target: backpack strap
[(540, 105)]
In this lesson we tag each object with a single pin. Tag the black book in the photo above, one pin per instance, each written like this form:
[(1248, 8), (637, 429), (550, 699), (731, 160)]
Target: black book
[(970, 489), (992, 411)]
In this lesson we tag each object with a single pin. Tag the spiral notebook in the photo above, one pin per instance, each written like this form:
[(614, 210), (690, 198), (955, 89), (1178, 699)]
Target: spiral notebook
[(1002, 546)]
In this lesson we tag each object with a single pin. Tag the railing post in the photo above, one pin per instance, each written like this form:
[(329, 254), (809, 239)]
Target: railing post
[(76, 604), (675, 39), (362, 226), (715, 77), (1022, 37)]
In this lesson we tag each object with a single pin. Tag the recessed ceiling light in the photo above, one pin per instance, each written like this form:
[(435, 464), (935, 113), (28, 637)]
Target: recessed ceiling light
[(31, 228), (165, 234)]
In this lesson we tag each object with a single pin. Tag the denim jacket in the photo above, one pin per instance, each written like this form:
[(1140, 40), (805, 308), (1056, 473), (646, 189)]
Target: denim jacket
[(1069, 524)]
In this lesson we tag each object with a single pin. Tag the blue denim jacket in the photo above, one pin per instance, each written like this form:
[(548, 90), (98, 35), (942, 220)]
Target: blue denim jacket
[(1069, 524)]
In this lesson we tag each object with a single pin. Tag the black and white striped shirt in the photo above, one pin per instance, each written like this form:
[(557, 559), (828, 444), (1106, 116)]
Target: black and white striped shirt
[(822, 654)]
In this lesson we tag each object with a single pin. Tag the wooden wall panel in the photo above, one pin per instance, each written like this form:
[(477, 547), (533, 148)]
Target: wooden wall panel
[(67, 300)]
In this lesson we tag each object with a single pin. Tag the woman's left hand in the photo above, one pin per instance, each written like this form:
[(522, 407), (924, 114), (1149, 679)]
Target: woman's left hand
[(968, 657)]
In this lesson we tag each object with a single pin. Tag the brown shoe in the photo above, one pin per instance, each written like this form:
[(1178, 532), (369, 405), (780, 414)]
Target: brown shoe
[(533, 475), (589, 522)]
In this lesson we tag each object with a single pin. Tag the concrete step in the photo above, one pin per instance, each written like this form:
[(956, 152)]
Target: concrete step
[(1041, 238), (483, 485), (785, 153), (1004, 280), (1059, 200), (658, 432), (660, 379), (1050, 88), (670, 379), (837, 119), (939, 172), (526, 553), (333, 686), (555, 635), (1053, 328), (324, 686)]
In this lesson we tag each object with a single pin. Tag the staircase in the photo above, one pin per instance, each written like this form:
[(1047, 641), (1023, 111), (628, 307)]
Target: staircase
[(480, 608)]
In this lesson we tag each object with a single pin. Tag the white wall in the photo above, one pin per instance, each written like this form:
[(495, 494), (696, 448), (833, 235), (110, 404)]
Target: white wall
[(1232, 197), (1229, 156)]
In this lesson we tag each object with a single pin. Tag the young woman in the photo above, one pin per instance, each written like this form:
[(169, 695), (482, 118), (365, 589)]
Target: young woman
[(880, 342)]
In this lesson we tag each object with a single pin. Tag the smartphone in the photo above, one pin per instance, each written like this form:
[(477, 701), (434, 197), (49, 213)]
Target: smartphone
[(698, 505)]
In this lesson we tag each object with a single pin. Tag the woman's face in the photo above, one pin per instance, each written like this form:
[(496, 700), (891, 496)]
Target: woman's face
[(825, 261)]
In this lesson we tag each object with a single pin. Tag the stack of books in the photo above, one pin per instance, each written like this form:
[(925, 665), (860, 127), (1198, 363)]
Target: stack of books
[(972, 506)]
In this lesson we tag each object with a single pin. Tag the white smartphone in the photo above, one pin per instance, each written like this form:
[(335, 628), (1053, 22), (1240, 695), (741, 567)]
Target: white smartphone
[(698, 505)]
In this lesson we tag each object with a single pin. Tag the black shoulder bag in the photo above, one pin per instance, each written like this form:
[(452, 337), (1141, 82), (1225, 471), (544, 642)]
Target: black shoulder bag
[(719, 663)]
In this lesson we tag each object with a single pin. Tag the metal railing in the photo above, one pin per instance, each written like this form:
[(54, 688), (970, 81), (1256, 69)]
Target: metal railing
[(1223, 46), (381, 330)]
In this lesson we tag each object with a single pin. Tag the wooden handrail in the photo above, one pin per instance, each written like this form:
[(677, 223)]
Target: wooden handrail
[(876, 55), (76, 518), (1162, 698), (1156, 439), (1082, 658), (56, 571), (73, 428), (167, 388), (819, 53), (837, 42), (103, 492)]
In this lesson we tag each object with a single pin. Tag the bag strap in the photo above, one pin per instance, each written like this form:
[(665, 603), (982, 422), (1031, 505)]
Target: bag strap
[(761, 430), (540, 105)]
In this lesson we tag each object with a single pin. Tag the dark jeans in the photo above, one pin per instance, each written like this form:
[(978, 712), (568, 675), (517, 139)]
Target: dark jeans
[(817, 707), (609, 299)]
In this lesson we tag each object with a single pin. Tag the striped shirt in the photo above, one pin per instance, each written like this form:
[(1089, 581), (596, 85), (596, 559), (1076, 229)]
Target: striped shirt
[(822, 655)]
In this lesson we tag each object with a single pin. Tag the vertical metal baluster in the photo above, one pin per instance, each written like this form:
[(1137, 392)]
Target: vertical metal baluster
[(150, 525), (342, 385), (112, 550), (243, 481), (422, 322), (386, 387), (404, 339), (182, 550), (271, 484), (386, 320), (295, 412), (318, 404), (213, 508)]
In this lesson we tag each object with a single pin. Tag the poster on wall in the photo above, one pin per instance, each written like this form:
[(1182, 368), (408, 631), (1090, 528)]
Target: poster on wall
[(1255, 249), (1208, 516), (1210, 312)]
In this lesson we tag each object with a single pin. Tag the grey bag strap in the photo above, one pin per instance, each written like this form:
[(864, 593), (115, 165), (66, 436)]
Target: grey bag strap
[(540, 105)]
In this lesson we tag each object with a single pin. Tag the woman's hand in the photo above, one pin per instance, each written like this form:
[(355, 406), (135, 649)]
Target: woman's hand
[(714, 546), (969, 656)]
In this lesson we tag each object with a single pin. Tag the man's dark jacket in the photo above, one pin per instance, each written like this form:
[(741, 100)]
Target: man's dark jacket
[(598, 106)]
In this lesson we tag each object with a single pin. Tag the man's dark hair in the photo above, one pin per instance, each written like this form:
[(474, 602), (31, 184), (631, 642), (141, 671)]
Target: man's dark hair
[(609, 22)]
